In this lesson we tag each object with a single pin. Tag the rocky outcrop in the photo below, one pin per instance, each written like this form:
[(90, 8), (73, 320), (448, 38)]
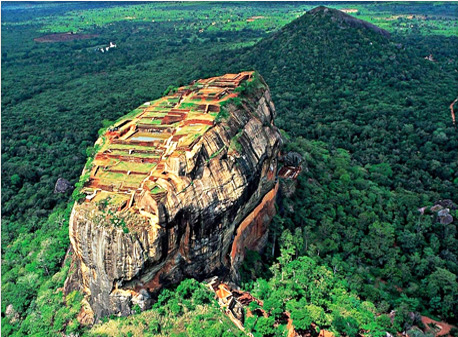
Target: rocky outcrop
[(252, 231), (442, 210), (62, 186), (12, 314), (210, 201)]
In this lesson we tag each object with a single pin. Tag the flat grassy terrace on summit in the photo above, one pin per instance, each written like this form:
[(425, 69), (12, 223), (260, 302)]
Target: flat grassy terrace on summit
[(134, 152)]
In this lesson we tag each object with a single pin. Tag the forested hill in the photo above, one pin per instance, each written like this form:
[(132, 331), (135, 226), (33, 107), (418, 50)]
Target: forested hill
[(341, 17), (371, 115), (352, 87)]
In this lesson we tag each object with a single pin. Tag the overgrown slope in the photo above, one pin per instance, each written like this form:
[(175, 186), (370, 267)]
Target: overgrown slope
[(386, 108), (377, 97)]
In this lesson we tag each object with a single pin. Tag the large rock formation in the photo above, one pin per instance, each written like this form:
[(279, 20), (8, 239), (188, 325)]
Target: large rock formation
[(178, 188)]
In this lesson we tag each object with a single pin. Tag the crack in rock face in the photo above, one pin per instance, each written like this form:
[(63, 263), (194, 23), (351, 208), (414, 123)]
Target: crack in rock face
[(179, 188)]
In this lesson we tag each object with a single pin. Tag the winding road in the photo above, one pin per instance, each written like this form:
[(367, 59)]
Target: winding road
[(452, 111)]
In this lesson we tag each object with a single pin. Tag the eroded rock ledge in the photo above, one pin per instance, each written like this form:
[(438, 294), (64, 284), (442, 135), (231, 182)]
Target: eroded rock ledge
[(178, 188)]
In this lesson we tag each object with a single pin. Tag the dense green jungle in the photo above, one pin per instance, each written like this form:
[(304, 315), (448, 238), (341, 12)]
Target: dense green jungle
[(356, 247)]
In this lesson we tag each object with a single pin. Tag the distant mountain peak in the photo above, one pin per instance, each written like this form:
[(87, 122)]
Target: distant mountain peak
[(319, 9), (340, 16)]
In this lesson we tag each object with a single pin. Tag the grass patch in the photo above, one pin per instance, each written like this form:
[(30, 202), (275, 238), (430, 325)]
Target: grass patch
[(187, 105), (222, 115), (157, 189), (235, 145), (187, 310)]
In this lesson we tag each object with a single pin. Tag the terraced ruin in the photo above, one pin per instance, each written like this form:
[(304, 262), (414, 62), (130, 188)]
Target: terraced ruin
[(145, 148), (180, 187)]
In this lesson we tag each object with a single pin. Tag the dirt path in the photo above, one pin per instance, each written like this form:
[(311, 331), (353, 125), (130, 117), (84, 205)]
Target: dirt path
[(452, 111), (444, 327)]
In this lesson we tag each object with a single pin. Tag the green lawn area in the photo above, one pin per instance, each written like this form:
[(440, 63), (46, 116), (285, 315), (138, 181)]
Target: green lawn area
[(129, 147), (150, 121), (187, 105), (157, 189), (131, 114), (138, 167)]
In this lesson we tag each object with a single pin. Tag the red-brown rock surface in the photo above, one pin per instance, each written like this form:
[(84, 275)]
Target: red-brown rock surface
[(197, 201)]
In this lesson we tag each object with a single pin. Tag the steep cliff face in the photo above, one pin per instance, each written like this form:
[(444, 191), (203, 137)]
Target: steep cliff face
[(179, 188)]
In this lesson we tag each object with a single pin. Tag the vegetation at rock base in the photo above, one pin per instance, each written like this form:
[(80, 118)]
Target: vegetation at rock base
[(327, 303), (367, 110), (33, 274), (378, 144), (370, 262), (369, 115), (188, 309)]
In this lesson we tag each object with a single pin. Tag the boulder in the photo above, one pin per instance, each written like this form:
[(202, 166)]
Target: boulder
[(62, 186), (445, 217)]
